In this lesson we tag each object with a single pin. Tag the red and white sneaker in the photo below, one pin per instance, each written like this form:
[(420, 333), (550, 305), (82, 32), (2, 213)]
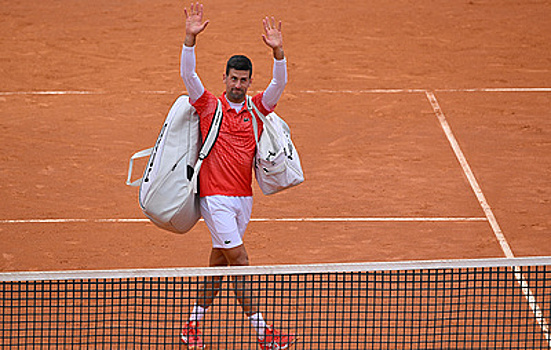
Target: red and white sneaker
[(191, 336), (273, 340)]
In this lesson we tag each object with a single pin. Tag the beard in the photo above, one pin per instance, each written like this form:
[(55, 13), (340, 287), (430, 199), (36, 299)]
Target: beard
[(236, 95)]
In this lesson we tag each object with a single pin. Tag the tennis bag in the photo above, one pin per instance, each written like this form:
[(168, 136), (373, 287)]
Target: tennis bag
[(277, 164), (169, 185)]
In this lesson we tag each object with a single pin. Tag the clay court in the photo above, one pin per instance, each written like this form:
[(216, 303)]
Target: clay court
[(373, 86)]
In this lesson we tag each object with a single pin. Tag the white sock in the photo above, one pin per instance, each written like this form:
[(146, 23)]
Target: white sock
[(257, 321), (197, 314)]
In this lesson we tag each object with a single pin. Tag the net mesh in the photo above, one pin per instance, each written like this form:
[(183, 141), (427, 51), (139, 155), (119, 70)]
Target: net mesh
[(498, 304)]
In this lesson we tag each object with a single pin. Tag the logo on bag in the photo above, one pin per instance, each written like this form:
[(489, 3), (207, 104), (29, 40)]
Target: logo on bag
[(154, 153), (289, 151)]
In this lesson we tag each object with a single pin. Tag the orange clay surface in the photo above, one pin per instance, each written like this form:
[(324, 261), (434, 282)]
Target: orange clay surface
[(370, 141)]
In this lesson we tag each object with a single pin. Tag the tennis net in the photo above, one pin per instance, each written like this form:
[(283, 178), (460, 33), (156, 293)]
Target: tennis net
[(466, 304)]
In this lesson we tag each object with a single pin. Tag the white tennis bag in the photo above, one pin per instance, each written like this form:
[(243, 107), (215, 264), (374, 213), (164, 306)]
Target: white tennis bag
[(277, 164), (169, 186)]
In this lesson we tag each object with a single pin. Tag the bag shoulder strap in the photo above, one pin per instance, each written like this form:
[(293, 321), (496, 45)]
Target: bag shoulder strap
[(213, 133), (251, 106), (268, 125), (255, 125), (208, 144)]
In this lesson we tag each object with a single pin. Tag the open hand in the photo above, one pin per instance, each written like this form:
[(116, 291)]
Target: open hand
[(272, 33), (272, 36), (194, 20)]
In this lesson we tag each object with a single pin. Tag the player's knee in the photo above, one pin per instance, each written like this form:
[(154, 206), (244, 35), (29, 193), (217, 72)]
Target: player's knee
[(237, 256), (240, 260)]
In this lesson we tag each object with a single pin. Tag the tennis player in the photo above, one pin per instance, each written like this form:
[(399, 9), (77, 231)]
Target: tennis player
[(226, 174)]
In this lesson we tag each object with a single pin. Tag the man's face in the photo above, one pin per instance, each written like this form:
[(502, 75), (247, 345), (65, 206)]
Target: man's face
[(237, 83)]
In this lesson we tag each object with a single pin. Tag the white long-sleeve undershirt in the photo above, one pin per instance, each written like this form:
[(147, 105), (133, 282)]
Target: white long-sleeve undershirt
[(196, 89)]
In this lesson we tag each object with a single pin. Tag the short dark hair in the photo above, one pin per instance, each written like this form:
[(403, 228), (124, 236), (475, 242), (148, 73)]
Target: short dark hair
[(239, 62)]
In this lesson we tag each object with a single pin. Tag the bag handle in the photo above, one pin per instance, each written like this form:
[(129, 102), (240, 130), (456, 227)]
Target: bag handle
[(137, 155)]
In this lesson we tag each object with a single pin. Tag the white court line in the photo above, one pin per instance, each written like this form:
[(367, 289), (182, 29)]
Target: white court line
[(366, 91), (532, 302), (398, 91), (470, 176), (321, 91), (536, 310), (541, 89), (343, 219), (15, 93)]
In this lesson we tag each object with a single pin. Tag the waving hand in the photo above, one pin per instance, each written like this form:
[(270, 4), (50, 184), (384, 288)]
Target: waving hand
[(272, 36), (194, 23)]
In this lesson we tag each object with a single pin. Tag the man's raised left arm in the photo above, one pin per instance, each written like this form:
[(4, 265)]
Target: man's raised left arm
[(273, 38)]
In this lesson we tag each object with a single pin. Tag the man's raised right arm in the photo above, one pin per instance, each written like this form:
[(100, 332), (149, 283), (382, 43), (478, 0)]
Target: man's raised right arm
[(194, 26), (193, 84)]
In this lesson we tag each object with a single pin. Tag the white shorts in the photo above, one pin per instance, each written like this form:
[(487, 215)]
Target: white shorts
[(227, 219)]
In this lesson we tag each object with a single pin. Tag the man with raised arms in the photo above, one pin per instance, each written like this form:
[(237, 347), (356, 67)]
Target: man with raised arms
[(226, 174)]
